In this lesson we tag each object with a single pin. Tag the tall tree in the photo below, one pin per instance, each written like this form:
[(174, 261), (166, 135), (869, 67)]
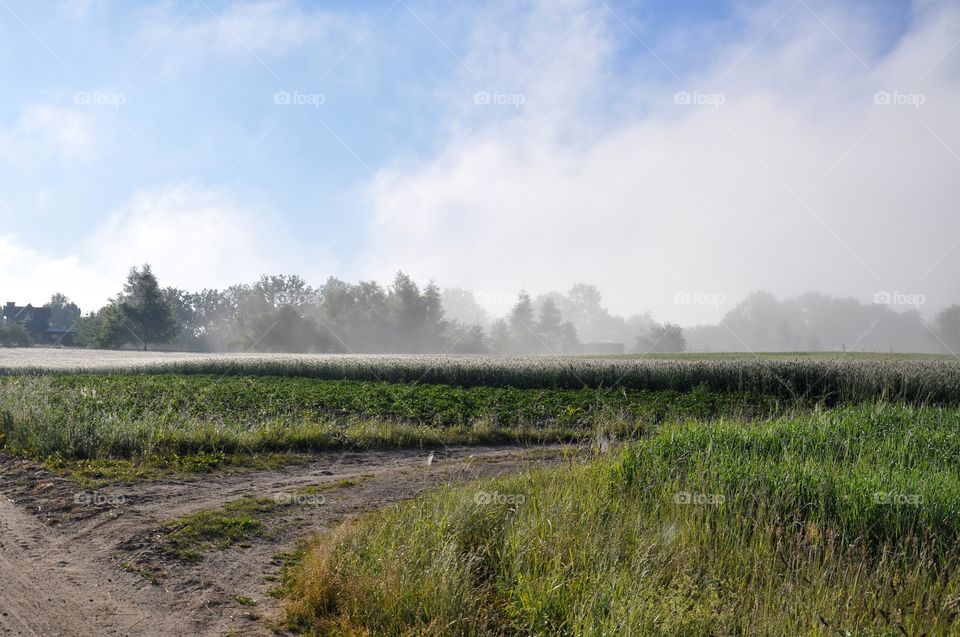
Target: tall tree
[(281, 290), (661, 339), (501, 341), (408, 312), (947, 327), (145, 310), (435, 325), (63, 312), (523, 328), (549, 326)]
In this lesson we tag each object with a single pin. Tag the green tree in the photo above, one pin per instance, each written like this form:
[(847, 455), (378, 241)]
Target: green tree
[(63, 312), (523, 327), (467, 339), (435, 325), (556, 335), (145, 311), (14, 335), (280, 290), (284, 330), (661, 339), (501, 341), (112, 331), (408, 313), (947, 327), (550, 322)]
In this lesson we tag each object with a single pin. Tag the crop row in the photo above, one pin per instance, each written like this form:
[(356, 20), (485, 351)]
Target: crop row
[(831, 381)]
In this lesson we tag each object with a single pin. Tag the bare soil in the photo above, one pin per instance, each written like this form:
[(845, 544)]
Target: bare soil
[(73, 567)]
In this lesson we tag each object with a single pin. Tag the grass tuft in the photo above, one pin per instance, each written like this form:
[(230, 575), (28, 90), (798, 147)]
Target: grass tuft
[(189, 537)]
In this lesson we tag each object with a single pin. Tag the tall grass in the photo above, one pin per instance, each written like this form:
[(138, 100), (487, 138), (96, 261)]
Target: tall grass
[(842, 522), (832, 381)]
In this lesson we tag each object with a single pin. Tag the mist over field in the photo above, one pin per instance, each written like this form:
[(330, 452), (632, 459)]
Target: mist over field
[(679, 157)]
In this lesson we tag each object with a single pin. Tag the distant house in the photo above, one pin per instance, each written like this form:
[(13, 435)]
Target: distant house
[(36, 320)]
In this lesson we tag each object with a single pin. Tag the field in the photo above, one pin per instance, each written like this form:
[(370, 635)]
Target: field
[(145, 417), (781, 494), (843, 522), (838, 379)]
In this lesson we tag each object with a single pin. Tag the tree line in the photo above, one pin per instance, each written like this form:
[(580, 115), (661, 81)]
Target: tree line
[(284, 313)]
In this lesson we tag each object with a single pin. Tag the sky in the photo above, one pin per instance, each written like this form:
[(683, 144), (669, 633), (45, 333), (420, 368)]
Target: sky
[(677, 154)]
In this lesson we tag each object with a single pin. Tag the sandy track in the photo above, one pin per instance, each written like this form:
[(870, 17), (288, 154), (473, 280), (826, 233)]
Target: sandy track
[(60, 560)]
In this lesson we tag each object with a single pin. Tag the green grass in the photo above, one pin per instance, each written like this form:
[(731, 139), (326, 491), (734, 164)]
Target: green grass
[(118, 425), (784, 534), (95, 473), (795, 495), (237, 522), (328, 486)]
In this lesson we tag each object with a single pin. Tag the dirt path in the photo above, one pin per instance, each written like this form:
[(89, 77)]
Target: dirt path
[(72, 567)]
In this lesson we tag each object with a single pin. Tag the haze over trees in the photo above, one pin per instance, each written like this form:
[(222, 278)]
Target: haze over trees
[(817, 322), (284, 313)]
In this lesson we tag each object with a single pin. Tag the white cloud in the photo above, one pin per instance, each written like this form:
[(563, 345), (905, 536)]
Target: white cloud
[(192, 238), (80, 10), (672, 197), (267, 27), (45, 131)]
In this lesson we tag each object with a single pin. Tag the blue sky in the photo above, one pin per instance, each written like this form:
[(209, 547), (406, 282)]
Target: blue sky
[(157, 131)]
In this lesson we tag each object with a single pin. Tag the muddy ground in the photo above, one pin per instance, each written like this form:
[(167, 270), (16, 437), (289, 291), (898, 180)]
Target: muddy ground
[(69, 566)]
